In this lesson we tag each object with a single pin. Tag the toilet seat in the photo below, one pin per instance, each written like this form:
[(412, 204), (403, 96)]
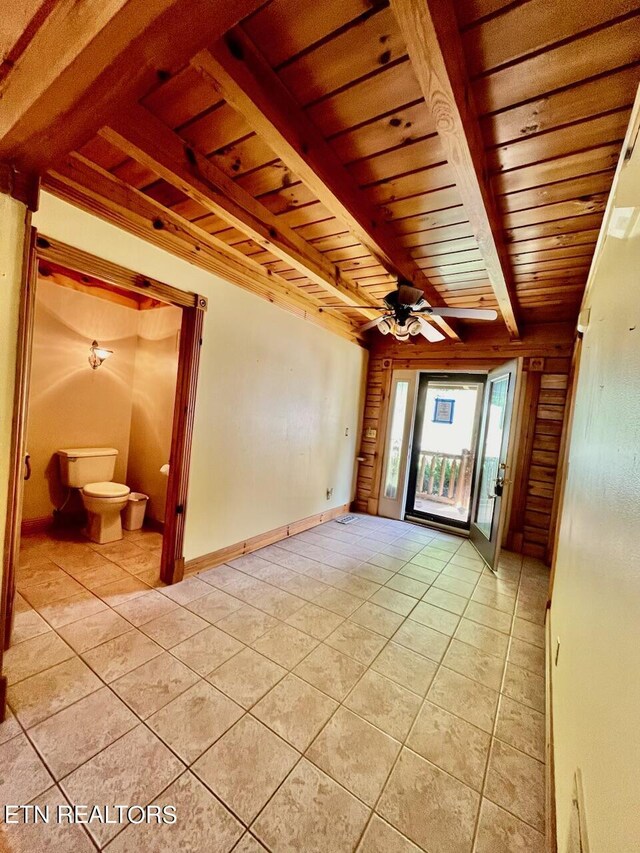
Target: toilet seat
[(106, 490)]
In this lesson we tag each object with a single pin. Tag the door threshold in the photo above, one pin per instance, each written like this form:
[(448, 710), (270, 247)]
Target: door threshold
[(448, 528)]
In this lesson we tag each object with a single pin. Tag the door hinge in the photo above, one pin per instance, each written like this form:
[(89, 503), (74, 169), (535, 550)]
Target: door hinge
[(179, 509)]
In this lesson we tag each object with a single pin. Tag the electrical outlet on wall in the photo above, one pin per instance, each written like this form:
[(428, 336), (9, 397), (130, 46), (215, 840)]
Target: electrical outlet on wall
[(329, 494)]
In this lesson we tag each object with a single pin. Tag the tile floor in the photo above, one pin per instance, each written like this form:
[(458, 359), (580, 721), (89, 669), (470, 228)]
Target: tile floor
[(367, 687)]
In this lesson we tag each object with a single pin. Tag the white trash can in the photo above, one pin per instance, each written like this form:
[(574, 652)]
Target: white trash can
[(134, 511)]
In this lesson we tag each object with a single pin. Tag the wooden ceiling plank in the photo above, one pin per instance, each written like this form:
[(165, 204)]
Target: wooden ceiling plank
[(246, 81), (140, 135), (100, 55), (433, 41), (91, 188)]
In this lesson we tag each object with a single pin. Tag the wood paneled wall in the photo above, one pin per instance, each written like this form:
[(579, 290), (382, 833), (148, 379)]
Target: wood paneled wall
[(546, 350)]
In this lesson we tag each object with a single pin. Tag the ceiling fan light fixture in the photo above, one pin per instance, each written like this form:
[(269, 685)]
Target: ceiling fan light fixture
[(414, 326), (385, 326)]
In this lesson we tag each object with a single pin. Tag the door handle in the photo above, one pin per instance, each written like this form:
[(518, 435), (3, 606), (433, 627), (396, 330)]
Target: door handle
[(27, 466)]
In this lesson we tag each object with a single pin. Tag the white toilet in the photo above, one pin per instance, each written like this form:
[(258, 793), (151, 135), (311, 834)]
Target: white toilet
[(90, 469)]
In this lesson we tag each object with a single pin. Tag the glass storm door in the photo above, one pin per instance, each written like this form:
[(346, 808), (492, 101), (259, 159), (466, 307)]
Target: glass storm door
[(443, 456), (403, 393), (486, 523)]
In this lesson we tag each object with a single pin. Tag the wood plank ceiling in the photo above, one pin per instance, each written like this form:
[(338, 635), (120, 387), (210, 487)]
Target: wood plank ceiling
[(297, 156)]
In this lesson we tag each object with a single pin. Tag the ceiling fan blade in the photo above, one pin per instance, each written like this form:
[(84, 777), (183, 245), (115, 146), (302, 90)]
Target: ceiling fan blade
[(429, 332), (464, 313), (371, 324)]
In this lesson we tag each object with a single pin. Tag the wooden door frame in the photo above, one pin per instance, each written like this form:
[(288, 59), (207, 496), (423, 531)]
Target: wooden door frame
[(193, 307)]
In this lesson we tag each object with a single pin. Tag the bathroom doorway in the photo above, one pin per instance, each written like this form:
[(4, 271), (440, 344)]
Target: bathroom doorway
[(151, 361)]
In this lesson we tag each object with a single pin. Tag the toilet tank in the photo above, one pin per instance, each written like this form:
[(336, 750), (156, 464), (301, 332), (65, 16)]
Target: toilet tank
[(82, 465)]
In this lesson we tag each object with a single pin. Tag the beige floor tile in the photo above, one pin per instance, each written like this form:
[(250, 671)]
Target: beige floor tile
[(120, 591), (93, 630), (393, 600), (274, 574), (187, 590), (134, 769), (315, 621), (388, 561), (50, 591), (9, 726), (422, 639), (214, 605), (285, 645), (295, 710), (488, 616), (43, 571), (154, 684), (521, 727), (356, 642), (77, 733), (384, 703), (46, 837), (486, 639), (409, 586), (491, 598), (174, 627), (466, 575), (516, 782), (278, 603), (28, 624), (219, 576), (468, 699), (206, 650), (527, 656), (99, 575), (451, 743), (428, 561), (33, 656), (245, 766), (249, 844), (377, 619), (22, 775), (380, 837), (435, 617), (203, 824), (141, 564), (146, 607), (47, 692), (374, 573), (77, 557), (302, 815), (529, 631), (524, 686), (355, 754), (247, 676), (501, 832), (117, 551), (419, 800), (330, 671), (307, 588), (405, 667), (194, 720), (71, 609), (453, 584), (446, 600), (247, 624), (122, 654), (470, 562), (338, 601), (475, 664), (419, 573), (358, 586)]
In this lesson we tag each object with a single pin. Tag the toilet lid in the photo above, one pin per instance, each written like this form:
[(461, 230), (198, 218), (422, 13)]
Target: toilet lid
[(106, 490)]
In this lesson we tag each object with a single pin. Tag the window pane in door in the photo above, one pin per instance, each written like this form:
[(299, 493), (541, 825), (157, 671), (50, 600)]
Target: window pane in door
[(395, 440), (491, 456)]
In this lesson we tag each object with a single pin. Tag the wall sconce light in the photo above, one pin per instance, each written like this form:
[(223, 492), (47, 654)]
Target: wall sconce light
[(97, 355)]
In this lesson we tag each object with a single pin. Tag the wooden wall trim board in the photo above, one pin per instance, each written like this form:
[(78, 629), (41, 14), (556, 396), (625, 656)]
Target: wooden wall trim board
[(216, 558), (31, 526), (546, 352)]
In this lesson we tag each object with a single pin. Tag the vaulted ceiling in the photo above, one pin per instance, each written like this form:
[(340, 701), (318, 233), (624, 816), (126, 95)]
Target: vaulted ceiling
[(314, 151)]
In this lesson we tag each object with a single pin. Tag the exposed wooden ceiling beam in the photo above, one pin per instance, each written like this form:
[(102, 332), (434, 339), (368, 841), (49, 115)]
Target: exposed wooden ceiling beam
[(87, 59), (430, 31), (240, 73), (140, 135), (99, 192)]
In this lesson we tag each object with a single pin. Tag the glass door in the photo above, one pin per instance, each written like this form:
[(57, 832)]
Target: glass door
[(486, 527), (444, 448), (402, 401)]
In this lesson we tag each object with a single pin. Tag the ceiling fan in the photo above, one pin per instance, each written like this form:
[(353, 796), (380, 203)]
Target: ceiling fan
[(405, 310)]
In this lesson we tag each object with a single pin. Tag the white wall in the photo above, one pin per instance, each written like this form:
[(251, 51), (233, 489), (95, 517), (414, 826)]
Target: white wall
[(596, 597), (71, 405), (275, 396)]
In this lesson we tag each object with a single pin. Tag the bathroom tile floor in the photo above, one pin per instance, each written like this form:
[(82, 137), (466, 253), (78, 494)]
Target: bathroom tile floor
[(369, 687)]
